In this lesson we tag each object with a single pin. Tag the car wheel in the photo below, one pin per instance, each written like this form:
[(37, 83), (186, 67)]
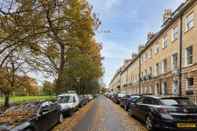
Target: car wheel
[(130, 112), (125, 107), (71, 112), (148, 123), (61, 118), (29, 129)]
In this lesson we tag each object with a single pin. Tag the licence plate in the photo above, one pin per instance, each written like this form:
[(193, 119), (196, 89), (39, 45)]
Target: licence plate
[(186, 125)]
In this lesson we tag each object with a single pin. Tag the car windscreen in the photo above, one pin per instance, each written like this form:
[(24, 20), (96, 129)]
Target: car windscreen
[(176, 102), (121, 95), (64, 99), (134, 98)]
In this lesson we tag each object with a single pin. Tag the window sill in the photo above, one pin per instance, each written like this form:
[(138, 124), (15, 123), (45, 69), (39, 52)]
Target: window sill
[(174, 40), (188, 30), (188, 65)]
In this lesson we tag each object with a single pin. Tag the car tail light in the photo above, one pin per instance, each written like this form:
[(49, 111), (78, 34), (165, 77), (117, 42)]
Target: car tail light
[(163, 110)]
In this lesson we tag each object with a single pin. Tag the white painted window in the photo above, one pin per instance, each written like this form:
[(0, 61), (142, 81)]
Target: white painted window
[(156, 89), (164, 88), (189, 21), (174, 61), (150, 71), (164, 66), (157, 49), (175, 87), (189, 55), (165, 42), (157, 69), (175, 33), (150, 53)]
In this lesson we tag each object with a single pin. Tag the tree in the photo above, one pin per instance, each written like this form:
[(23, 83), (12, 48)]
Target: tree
[(48, 88), (54, 35)]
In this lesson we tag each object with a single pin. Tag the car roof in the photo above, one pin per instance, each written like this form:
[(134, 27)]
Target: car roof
[(166, 97), (67, 94)]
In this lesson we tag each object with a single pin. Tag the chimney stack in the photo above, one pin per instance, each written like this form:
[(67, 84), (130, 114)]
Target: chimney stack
[(150, 35), (140, 48), (134, 55), (167, 14), (126, 61)]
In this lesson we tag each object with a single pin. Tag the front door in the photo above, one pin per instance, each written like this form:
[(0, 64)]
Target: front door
[(175, 88)]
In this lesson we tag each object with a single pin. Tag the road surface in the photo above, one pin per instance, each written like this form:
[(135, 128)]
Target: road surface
[(107, 116)]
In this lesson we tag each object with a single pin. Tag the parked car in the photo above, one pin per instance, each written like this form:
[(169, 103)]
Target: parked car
[(114, 98), (167, 112), (36, 116), (90, 97), (117, 97), (83, 100), (127, 100), (69, 103)]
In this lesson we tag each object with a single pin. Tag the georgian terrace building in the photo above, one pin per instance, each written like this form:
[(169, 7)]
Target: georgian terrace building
[(167, 64)]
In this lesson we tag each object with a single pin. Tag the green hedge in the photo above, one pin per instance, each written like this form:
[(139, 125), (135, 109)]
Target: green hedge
[(23, 99)]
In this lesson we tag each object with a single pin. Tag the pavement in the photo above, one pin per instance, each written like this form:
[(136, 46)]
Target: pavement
[(104, 115)]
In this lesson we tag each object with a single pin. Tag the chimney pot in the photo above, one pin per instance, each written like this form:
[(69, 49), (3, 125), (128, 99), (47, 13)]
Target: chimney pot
[(167, 14), (150, 35)]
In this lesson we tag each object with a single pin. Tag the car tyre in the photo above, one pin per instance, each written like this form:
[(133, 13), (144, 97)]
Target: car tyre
[(61, 118), (71, 112), (29, 129), (125, 107), (130, 112), (149, 124)]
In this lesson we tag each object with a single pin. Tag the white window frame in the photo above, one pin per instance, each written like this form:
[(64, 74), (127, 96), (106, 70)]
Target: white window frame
[(175, 33), (189, 22), (163, 88), (157, 49), (165, 42), (186, 60), (150, 70), (175, 88), (163, 66), (157, 72), (172, 61)]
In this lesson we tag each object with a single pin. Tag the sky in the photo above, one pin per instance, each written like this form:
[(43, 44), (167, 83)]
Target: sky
[(128, 21)]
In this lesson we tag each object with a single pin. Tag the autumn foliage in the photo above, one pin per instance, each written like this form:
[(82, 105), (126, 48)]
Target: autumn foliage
[(54, 37)]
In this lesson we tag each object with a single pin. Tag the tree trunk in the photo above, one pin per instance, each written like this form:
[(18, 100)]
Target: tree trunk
[(7, 100), (60, 79)]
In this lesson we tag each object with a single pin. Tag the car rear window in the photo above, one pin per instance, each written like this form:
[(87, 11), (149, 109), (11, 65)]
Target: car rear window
[(176, 102), (64, 99), (134, 98)]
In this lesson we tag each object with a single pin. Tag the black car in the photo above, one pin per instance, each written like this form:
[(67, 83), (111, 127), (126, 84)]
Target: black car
[(36, 116), (116, 98), (127, 100), (123, 100), (168, 112)]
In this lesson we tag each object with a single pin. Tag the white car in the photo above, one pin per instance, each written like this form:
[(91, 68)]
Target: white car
[(68, 102)]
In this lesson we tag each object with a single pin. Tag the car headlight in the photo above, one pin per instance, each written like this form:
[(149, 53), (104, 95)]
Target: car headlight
[(166, 116)]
